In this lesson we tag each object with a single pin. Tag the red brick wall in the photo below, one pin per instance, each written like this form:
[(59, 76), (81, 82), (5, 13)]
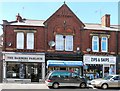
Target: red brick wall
[(63, 19), (87, 40), (10, 36), (70, 23), (82, 38), (112, 42)]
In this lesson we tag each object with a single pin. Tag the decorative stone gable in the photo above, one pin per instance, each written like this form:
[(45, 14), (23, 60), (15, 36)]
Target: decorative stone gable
[(64, 14)]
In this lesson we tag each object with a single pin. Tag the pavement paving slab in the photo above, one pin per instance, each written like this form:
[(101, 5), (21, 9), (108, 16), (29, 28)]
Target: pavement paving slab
[(22, 86)]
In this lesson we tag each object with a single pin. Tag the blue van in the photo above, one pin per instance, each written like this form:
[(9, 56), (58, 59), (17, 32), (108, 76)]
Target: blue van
[(59, 78)]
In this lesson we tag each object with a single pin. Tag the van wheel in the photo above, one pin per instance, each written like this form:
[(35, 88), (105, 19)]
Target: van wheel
[(83, 85), (55, 85), (104, 86)]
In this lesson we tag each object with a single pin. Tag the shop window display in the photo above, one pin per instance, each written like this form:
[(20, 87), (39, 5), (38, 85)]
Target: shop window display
[(94, 71), (23, 70), (111, 70)]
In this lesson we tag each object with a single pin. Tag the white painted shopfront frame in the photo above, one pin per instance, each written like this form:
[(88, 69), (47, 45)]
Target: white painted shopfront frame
[(23, 57), (106, 61)]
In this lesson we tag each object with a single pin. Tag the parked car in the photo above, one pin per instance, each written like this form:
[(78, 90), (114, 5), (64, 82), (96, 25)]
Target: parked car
[(58, 78), (109, 81)]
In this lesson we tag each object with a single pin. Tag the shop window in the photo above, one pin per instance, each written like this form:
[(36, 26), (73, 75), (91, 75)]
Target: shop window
[(64, 42), (30, 40), (104, 44), (23, 70), (20, 40), (112, 69), (92, 72), (95, 44), (75, 75)]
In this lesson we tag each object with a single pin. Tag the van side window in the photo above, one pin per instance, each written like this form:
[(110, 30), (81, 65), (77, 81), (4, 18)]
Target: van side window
[(55, 75), (60, 74), (65, 74)]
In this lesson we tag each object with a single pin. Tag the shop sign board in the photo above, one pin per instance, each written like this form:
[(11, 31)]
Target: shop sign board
[(64, 63), (99, 60), (24, 58)]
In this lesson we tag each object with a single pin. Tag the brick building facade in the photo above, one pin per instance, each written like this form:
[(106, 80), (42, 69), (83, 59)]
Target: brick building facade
[(62, 42), (1, 65)]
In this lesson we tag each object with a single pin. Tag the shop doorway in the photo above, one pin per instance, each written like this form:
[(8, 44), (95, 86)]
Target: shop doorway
[(36, 72), (106, 70)]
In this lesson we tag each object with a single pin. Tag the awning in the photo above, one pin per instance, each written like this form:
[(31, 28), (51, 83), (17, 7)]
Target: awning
[(64, 63)]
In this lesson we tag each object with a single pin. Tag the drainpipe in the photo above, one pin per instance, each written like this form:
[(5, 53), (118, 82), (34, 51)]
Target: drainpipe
[(45, 47), (117, 40)]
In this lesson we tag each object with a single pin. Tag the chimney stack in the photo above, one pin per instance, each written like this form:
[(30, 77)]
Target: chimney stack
[(18, 18), (105, 20)]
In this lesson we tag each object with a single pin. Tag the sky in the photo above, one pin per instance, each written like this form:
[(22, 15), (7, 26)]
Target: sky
[(87, 12)]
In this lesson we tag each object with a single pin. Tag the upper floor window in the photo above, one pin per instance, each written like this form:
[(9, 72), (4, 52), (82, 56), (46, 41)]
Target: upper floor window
[(95, 44), (104, 44), (30, 40), (20, 40), (69, 43), (64, 42), (59, 42)]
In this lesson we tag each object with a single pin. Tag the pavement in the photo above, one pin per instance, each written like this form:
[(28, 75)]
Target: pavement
[(23, 86)]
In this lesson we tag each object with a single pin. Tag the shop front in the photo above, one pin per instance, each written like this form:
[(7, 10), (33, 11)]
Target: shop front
[(118, 64), (99, 66), (75, 66), (23, 67)]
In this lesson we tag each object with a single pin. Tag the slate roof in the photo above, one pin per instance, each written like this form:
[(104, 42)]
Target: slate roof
[(95, 26), (29, 22), (88, 26)]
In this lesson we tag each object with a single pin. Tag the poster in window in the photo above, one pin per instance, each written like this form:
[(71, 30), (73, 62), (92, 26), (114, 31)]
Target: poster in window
[(21, 71)]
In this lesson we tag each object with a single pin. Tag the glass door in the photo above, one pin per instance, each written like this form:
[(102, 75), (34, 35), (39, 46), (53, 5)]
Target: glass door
[(106, 70), (36, 72)]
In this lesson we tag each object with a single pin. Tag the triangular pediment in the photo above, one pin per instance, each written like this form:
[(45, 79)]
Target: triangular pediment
[(64, 11)]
